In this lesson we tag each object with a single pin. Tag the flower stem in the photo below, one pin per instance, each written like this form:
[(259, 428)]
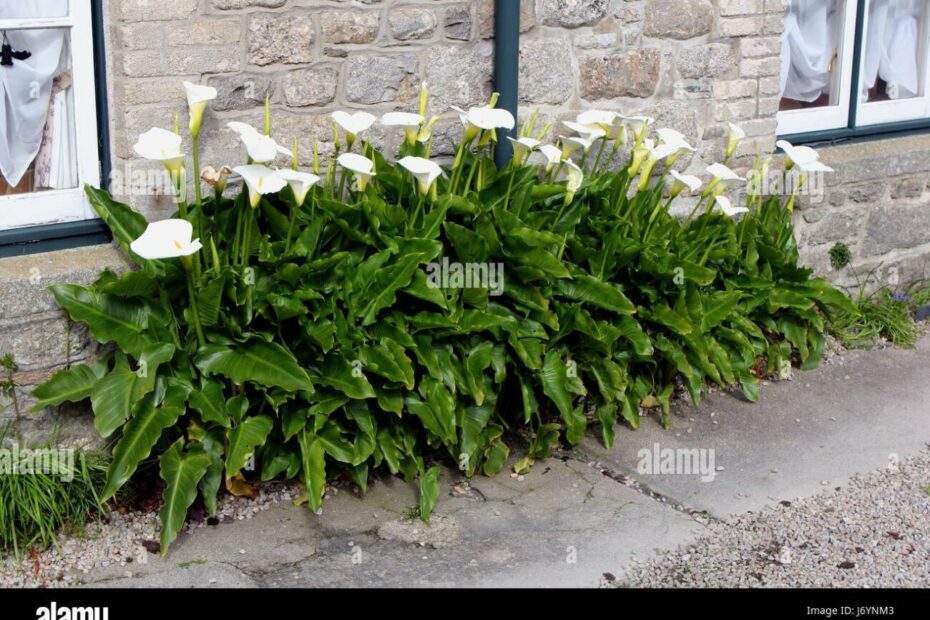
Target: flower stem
[(195, 312), (600, 153)]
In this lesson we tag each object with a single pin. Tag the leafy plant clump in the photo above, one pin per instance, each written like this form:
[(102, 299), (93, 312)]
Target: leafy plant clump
[(43, 491), (326, 324), (882, 314)]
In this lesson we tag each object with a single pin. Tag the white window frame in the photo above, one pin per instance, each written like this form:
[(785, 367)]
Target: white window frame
[(64, 205), (833, 116), (914, 108)]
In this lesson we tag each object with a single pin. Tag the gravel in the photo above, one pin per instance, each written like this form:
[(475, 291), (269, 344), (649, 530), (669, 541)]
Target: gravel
[(873, 532), (119, 539)]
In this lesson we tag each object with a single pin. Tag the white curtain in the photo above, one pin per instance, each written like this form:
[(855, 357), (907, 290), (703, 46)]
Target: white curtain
[(891, 47), (808, 43), (25, 88)]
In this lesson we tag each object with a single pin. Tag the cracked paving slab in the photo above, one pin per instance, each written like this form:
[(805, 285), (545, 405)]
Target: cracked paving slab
[(563, 524)]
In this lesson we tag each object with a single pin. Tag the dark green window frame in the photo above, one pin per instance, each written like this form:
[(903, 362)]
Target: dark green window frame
[(851, 133), (35, 239)]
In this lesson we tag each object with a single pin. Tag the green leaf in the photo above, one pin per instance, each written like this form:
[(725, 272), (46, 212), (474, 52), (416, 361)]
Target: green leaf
[(554, 378), (265, 363), (336, 372), (314, 468), (181, 473), (210, 402), (588, 289), (115, 395), (125, 224), (429, 492), (139, 437), (243, 439), (110, 318), (69, 385)]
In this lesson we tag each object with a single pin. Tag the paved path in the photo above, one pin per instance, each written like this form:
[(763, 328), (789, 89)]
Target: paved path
[(582, 519)]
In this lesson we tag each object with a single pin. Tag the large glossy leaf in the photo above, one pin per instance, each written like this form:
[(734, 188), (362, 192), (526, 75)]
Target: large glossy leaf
[(210, 402), (265, 363), (125, 224), (555, 383), (69, 385), (429, 492), (596, 292), (110, 318), (349, 378), (181, 471), (243, 439), (115, 395), (314, 468), (139, 437)]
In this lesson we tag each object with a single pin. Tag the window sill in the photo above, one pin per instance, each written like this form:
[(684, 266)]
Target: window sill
[(35, 239), (859, 134)]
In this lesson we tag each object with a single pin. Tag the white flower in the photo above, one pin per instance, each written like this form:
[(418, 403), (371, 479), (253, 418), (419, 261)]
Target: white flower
[(362, 167), (814, 166), (682, 181), (523, 146), (260, 180), (261, 148), (353, 124), (300, 183), (722, 173), (639, 125), (197, 98), (728, 209), (674, 138), (425, 171), (797, 155), (600, 118), (589, 133), (551, 155), (166, 239), (486, 118), (661, 151), (161, 145), (736, 136), (574, 175), (406, 120), (570, 144)]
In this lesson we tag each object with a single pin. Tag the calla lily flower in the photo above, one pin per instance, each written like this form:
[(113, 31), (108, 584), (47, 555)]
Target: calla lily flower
[(676, 140), (723, 203), (410, 123), (260, 180), (604, 119), (797, 155), (484, 118), (639, 125), (574, 177), (261, 148), (523, 146), (684, 181), (362, 167), (300, 183), (551, 155), (161, 145), (570, 144), (654, 154), (425, 171), (589, 133), (166, 239), (353, 124), (197, 98), (736, 136), (722, 173), (814, 166), (216, 179)]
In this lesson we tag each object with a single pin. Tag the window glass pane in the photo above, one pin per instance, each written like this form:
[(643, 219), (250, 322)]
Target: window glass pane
[(891, 55), (38, 144), (30, 9), (810, 45)]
